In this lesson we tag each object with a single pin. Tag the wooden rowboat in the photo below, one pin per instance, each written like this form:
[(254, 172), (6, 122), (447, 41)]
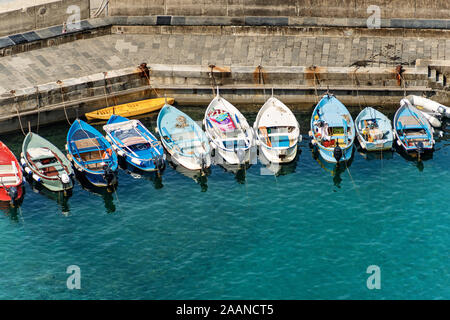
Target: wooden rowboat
[(134, 143), (374, 130), (183, 139), (46, 164), (332, 130), (129, 109), (229, 131), (10, 176), (91, 154), (278, 131)]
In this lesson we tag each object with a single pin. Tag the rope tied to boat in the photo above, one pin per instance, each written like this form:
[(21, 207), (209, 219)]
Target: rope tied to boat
[(147, 72), (211, 76), (357, 83), (13, 93), (400, 79), (38, 109), (315, 85), (109, 83), (60, 83)]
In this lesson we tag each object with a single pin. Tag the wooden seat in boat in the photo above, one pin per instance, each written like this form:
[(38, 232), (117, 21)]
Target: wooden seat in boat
[(86, 143), (133, 140)]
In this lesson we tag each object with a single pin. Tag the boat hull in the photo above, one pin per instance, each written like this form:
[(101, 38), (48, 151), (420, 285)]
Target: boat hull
[(274, 114), (327, 154), (406, 109), (4, 196), (97, 179), (183, 139), (233, 158), (370, 146), (148, 154), (232, 155), (52, 183), (332, 112), (129, 109), (279, 155), (98, 151), (11, 169), (188, 162)]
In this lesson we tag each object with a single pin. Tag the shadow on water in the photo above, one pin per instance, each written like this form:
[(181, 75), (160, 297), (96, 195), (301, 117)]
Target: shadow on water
[(106, 193)]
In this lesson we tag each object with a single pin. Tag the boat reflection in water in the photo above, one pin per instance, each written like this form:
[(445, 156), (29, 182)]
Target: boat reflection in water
[(278, 169), (61, 198), (238, 170), (13, 212), (375, 155), (154, 176), (199, 176), (106, 193), (334, 169)]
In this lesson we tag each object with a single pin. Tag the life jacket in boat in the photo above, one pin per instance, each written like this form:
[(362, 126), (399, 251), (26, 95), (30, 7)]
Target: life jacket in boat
[(107, 153)]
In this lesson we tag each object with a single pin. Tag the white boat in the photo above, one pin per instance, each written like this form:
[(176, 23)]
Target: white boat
[(277, 131), (229, 132), (427, 105), (434, 121)]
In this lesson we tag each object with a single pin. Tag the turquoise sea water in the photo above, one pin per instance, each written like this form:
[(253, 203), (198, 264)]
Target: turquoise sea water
[(306, 234)]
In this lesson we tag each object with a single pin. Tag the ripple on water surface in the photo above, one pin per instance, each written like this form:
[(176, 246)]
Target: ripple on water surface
[(310, 233)]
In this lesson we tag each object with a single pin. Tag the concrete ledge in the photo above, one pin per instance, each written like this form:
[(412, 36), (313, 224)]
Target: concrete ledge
[(185, 81)]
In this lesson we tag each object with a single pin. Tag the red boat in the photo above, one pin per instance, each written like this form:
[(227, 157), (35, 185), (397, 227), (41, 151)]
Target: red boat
[(11, 177)]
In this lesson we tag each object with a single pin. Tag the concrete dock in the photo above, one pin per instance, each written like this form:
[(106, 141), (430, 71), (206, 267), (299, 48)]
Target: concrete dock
[(97, 66)]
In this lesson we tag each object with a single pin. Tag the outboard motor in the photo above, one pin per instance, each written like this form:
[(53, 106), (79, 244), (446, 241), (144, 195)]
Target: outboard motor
[(109, 176), (159, 163), (65, 179), (203, 163), (337, 152), (420, 149), (12, 192)]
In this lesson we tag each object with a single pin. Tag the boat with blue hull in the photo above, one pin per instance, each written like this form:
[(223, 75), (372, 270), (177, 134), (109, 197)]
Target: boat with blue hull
[(91, 154), (332, 130), (135, 144), (374, 130), (183, 139), (412, 130)]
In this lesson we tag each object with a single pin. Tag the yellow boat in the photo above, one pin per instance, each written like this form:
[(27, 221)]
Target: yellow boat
[(129, 109)]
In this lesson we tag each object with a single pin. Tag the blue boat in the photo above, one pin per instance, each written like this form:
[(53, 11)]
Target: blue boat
[(135, 143), (183, 139), (374, 130), (332, 130), (412, 130), (91, 154)]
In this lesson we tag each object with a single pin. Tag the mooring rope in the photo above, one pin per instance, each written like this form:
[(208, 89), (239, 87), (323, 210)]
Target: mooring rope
[(59, 82), (148, 79), (38, 107), (315, 86), (106, 84), (104, 89), (20, 121)]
